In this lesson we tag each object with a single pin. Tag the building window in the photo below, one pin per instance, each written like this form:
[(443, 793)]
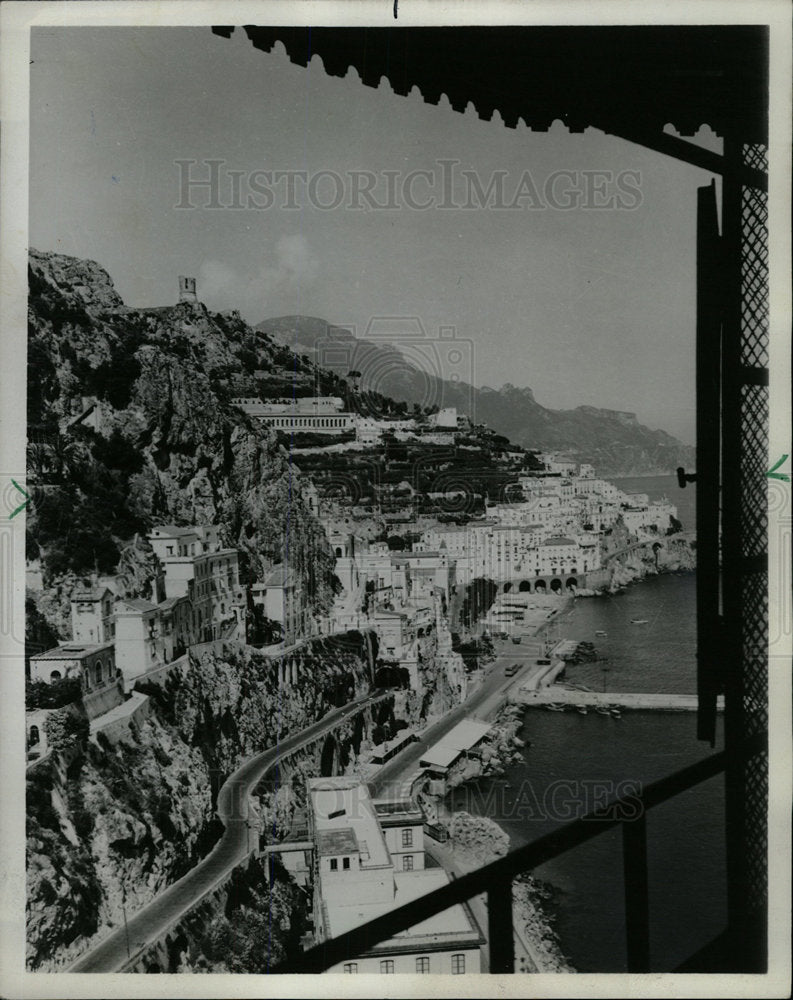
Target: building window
[(407, 863), (387, 966), (334, 865), (407, 838), (458, 965), (350, 966), (345, 863), (422, 964)]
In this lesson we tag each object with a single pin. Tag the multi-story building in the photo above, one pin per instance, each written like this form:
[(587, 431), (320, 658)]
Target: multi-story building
[(92, 615), (281, 596), (140, 642), (426, 572), (197, 567), (358, 877), (558, 556), (215, 593), (638, 516), (394, 630), (402, 823)]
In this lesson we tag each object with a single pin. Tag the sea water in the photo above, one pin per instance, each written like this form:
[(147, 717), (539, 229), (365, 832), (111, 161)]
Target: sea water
[(574, 762)]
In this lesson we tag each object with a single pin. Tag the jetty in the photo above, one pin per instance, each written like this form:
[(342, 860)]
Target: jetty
[(556, 695)]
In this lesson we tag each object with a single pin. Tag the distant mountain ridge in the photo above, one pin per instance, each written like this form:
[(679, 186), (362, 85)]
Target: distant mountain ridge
[(613, 441)]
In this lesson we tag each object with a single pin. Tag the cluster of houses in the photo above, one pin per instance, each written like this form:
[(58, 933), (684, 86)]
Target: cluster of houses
[(195, 598), (551, 538)]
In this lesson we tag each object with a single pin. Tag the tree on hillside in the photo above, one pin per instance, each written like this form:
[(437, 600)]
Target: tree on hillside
[(67, 728)]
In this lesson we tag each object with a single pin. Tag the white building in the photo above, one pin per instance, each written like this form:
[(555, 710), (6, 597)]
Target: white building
[(92, 615), (317, 414), (94, 665), (444, 418), (357, 877)]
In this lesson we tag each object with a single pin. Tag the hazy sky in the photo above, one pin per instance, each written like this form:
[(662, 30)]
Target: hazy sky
[(586, 306)]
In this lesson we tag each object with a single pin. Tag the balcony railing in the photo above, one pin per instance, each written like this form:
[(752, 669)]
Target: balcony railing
[(496, 878)]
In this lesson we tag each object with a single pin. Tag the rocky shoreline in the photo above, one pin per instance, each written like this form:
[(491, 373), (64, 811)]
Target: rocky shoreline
[(478, 840)]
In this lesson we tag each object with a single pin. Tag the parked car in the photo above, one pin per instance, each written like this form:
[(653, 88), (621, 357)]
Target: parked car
[(512, 669)]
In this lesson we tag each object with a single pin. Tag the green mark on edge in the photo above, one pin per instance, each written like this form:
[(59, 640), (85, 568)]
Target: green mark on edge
[(23, 505), (771, 474)]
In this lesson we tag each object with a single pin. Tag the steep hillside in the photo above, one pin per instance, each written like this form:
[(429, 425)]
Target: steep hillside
[(108, 825), (130, 424), (611, 440)]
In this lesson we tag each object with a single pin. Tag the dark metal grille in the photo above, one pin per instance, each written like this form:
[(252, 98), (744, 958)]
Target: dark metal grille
[(754, 525), (754, 458), (754, 267), (756, 155), (755, 653)]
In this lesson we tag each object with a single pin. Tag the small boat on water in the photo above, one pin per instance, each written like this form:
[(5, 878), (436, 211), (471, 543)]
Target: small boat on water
[(601, 632), (638, 621), (602, 710), (582, 710), (615, 713), (553, 707)]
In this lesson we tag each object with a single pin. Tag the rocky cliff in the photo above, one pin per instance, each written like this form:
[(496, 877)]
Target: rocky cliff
[(613, 441), (117, 823), (131, 424)]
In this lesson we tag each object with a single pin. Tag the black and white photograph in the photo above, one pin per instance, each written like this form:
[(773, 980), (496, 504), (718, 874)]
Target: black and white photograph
[(382, 382)]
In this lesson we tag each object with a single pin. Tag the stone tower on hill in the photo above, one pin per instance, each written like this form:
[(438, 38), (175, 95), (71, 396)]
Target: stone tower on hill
[(187, 291)]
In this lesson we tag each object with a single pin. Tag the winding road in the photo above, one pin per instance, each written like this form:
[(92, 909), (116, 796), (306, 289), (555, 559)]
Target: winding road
[(124, 945), (145, 926)]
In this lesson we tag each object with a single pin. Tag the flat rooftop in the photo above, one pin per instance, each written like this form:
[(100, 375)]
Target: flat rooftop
[(448, 925), (462, 737), (398, 813), (344, 816), (336, 842), (71, 651)]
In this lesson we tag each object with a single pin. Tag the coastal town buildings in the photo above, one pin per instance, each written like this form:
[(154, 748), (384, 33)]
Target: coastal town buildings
[(198, 567)]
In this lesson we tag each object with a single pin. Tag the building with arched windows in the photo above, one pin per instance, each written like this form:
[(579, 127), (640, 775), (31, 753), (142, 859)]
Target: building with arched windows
[(102, 687)]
